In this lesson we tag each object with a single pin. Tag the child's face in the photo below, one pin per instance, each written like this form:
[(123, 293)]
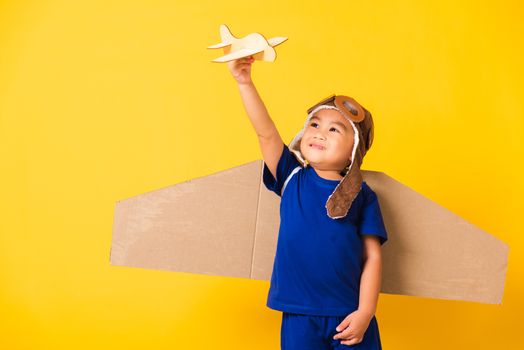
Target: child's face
[(330, 130)]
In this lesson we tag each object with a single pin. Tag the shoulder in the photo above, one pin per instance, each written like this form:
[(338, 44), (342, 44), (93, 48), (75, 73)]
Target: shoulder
[(367, 191), (365, 187), (295, 155)]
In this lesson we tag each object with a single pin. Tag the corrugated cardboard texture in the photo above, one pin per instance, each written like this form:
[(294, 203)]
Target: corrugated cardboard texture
[(227, 224)]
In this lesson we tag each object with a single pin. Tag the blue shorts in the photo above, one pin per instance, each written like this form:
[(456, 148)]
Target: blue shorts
[(304, 332)]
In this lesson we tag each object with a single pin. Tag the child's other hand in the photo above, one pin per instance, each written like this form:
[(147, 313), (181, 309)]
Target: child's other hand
[(353, 328), (241, 69)]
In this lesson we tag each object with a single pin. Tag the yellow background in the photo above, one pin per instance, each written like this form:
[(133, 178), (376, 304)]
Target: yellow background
[(104, 100)]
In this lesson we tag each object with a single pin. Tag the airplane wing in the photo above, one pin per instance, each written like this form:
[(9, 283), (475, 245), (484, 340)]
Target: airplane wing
[(218, 46), (227, 223), (238, 54)]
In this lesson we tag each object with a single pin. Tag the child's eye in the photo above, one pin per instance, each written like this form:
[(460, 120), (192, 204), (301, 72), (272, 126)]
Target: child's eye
[(313, 124)]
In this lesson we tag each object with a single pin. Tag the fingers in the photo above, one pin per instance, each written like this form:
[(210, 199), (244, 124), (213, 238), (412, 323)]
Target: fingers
[(248, 59), (343, 324), (243, 65), (237, 68), (241, 69), (347, 333), (352, 341), (243, 61), (348, 337)]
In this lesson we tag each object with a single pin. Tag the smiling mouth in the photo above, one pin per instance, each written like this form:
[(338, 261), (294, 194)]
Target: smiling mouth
[(312, 145)]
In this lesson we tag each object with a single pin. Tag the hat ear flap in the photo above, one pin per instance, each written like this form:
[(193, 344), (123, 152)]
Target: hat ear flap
[(367, 125), (340, 200)]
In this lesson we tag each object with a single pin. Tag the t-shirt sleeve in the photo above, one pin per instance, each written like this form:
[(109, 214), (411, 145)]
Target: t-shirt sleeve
[(371, 221), (286, 164)]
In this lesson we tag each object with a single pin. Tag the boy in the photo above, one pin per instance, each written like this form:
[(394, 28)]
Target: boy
[(327, 270)]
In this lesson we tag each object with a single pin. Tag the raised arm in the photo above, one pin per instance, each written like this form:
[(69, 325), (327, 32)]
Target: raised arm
[(271, 143)]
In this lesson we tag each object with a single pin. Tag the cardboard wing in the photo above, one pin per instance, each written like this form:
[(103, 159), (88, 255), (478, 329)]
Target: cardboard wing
[(227, 224)]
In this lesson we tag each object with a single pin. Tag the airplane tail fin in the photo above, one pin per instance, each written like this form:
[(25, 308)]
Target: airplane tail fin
[(225, 34), (276, 40)]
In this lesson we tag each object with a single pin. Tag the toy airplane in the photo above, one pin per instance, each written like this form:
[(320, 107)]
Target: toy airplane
[(226, 224), (253, 44)]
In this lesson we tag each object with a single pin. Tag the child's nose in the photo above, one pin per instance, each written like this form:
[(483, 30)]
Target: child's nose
[(320, 135)]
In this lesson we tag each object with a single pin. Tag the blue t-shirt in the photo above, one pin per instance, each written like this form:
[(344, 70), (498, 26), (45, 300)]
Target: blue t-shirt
[(318, 262)]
